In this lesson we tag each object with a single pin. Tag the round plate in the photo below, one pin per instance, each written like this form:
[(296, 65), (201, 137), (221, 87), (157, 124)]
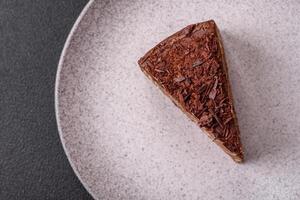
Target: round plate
[(126, 140)]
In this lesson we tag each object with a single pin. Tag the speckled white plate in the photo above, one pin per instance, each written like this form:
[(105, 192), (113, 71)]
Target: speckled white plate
[(125, 140)]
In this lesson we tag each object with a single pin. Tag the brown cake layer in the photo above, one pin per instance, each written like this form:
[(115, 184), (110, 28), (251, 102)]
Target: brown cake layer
[(190, 68)]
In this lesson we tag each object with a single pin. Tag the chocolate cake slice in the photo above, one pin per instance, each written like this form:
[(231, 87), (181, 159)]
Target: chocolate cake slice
[(190, 68)]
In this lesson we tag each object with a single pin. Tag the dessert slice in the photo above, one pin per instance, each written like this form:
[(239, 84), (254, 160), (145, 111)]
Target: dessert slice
[(190, 68)]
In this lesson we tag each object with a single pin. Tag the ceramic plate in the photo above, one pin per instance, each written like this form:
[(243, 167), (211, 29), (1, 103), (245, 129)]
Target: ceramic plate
[(126, 140)]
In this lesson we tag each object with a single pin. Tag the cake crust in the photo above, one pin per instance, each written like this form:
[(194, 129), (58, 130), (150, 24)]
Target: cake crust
[(190, 68)]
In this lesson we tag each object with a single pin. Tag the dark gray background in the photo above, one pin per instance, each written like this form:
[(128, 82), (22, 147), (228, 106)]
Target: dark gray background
[(32, 162)]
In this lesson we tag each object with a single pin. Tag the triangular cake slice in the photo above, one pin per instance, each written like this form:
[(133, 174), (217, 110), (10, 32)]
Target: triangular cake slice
[(190, 68)]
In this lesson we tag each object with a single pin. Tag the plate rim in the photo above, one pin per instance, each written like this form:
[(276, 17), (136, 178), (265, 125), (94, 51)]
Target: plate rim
[(56, 92)]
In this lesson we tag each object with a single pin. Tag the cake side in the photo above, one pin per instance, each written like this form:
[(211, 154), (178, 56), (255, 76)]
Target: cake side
[(240, 156)]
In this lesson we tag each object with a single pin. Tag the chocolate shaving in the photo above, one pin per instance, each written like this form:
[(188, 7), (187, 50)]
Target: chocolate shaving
[(186, 52), (179, 79), (216, 117), (180, 96), (198, 62), (226, 132), (150, 64), (202, 111), (213, 92), (188, 81), (187, 97), (159, 70), (202, 88), (206, 92), (205, 119), (217, 133), (223, 100), (228, 120)]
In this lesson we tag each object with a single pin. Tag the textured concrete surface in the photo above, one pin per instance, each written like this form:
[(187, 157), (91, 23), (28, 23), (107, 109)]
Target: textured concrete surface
[(32, 162), (128, 141)]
